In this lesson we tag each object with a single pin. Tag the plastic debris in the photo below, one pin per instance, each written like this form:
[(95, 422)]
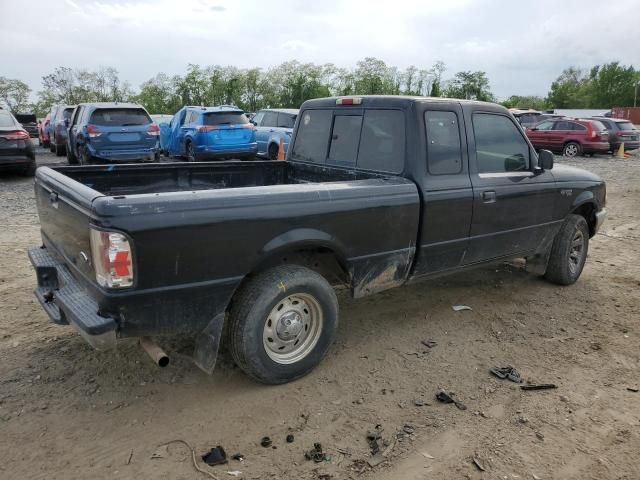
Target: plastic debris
[(290, 438), (538, 386), (633, 389), (429, 343), (478, 464), (234, 473), (239, 457), (507, 372), (216, 456), (459, 308), (316, 454)]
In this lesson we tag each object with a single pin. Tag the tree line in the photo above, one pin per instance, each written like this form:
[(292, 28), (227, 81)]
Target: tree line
[(291, 83)]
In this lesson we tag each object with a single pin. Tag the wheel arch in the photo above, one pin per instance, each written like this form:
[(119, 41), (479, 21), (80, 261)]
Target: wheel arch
[(585, 206)]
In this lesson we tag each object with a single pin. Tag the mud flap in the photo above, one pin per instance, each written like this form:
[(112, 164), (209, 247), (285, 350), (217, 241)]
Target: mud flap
[(207, 344), (537, 264)]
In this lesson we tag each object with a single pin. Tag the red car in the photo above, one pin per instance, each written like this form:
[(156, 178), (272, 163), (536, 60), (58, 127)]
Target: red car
[(569, 136), (43, 131)]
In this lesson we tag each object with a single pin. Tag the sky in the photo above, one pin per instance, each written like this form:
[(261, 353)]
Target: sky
[(523, 46)]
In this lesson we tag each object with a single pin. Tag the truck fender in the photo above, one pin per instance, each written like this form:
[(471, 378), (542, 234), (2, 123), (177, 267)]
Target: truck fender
[(584, 197), (300, 238)]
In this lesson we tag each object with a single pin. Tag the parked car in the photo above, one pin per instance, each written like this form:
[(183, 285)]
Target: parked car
[(527, 117), (376, 192), (571, 137), (160, 118), (208, 133), (43, 131), (620, 131), (60, 124), (16, 149), (112, 132), (274, 125), (29, 122)]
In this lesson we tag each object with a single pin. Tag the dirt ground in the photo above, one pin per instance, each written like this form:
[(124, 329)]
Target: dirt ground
[(68, 412)]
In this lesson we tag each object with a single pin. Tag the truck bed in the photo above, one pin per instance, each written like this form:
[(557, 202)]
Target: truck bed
[(179, 177)]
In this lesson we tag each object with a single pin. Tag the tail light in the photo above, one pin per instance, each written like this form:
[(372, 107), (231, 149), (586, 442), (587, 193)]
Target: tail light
[(93, 131), (349, 101), (153, 130), (207, 128), (112, 262), (19, 135)]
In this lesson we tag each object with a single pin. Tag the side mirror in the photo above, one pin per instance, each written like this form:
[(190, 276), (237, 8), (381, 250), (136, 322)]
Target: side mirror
[(545, 159), (254, 123)]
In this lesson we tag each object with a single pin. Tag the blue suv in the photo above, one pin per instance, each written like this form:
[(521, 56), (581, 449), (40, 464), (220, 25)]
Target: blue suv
[(111, 132), (273, 125), (204, 133)]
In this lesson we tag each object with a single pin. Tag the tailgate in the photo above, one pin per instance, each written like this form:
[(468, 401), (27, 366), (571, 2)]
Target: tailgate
[(64, 208)]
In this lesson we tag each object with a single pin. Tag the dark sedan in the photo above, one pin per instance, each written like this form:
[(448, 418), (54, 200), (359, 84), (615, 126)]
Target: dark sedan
[(16, 149)]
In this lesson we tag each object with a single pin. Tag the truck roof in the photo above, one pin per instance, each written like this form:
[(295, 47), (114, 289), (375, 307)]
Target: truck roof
[(290, 111), (108, 105), (390, 100), (218, 108)]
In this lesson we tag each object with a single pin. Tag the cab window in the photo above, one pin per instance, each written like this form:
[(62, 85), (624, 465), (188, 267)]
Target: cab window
[(500, 147), (444, 154)]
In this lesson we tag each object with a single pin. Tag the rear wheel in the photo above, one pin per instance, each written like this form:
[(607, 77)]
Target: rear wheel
[(282, 323), (569, 251), (571, 149), (60, 150), (273, 151), (84, 158), (191, 152)]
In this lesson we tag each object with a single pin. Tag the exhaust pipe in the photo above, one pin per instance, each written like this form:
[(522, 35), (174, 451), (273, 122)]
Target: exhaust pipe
[(154, 351)]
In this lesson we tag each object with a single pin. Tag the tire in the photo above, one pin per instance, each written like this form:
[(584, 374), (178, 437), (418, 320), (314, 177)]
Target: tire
[(272, 153), (83, 156), (59, 150), (190, 151), (572, 149), (569, 251), (30, 171), (52, 147), (266, 308)]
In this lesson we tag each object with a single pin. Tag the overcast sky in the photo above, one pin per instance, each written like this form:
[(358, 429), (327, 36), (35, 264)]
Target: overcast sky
[(522, 46)]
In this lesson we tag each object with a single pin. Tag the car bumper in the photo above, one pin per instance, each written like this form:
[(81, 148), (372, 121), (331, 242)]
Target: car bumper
[(601, 216), (9, 161), (595, 147), (112, 156), (632, 145), (66, 302)]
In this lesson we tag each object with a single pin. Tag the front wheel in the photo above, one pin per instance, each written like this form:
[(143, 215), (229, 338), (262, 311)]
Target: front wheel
[(571, 149), (569, 251), (282, 323)]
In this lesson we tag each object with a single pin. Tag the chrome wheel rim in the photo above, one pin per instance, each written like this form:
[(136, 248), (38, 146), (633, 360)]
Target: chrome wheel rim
[(576, 252), (292, 328), (571, 150)]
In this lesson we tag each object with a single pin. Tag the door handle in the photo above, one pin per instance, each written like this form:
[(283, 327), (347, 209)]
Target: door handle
[(489, 196)]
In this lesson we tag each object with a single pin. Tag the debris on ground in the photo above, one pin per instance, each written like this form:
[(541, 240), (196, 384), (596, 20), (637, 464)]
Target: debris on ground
[(193, 456), (478, 464), (234, 473), (290, 438), (507, 372), (633, 389), (408, 429), (538, 386), (376, 460), (215, 456), (429, 343), (161, 452), (266, 442), (459, 308), (445, 397), (316, 454), (420, 403), (372, 439), (239, 457)]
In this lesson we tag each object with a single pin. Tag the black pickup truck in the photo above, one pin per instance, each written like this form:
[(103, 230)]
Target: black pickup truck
[(376, 192)]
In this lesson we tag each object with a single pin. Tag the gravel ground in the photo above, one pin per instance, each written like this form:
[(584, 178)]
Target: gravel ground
[(68, 412)]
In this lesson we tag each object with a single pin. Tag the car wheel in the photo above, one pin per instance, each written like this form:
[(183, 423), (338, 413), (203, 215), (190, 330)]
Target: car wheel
[(52, 146), (282, 323), (273, 151), (569, 251), (83, 156), (59, 151), (191, 152), (571, 149)]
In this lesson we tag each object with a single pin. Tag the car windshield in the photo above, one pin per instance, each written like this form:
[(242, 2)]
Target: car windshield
[(119, 117), (6, 120), (224, 118), (25, 118), (626, 126)]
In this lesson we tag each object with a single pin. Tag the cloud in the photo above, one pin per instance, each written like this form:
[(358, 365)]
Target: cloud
[(522, 46)]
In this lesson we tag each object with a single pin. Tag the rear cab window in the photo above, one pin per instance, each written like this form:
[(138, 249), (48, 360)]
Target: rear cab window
[(119, 117), (225, 118), (373, 139)]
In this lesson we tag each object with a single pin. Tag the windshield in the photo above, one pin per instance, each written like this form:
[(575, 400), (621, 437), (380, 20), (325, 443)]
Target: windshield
[(6, 120), (25, 118), (626, 126), (225, 118), (119, 117)]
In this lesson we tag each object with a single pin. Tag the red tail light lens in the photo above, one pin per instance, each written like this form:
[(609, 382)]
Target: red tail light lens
[(93, 131), (19, 135), (154, 130), (112, 262), (207, 128)]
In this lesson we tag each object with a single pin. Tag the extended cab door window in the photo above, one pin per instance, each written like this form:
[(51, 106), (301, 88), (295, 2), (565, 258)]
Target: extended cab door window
[(345, 138), (444, 154), (312, 136)]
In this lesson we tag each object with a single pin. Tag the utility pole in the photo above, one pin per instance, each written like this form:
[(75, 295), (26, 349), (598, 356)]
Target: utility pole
[(635, 93)]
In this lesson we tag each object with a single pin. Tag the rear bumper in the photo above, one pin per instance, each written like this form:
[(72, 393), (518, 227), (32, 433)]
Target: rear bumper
[(204, 152), (9, 161), (632, 145), (595, 147), (66, 302), (132, 155)]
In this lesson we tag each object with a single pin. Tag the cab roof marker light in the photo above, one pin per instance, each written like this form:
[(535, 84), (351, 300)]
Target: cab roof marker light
[(349, 101)]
